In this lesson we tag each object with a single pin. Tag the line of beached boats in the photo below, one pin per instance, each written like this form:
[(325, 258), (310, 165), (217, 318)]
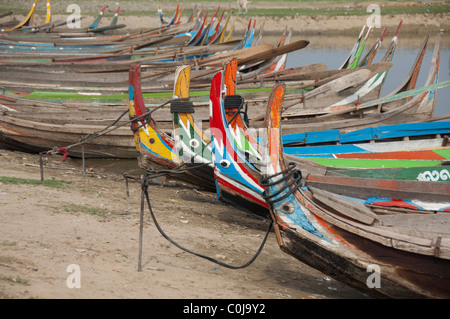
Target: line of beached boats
[(355, 184)]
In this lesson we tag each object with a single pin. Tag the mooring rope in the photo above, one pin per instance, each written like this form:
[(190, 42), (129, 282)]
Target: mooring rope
[(108, 129), (236, 102), (290, 171), (144, 184), (156, 173)]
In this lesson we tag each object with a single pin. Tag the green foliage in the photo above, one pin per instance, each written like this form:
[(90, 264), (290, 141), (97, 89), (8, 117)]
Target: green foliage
[(75, 208), (48, 183), (16, 280)]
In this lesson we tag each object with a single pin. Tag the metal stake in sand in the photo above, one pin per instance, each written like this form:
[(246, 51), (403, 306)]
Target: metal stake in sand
[(41, 165), (127, 189), (83, 161), (141, 219)]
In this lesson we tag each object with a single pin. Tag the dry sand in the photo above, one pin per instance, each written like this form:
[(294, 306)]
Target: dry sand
[(90, 223)]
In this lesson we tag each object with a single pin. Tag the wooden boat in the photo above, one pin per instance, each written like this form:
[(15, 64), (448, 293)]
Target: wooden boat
[(78, 46), (157, 150), (72, 133), (234, 155), (368, 120), (112, 84), (320, 221), (313, 232), (399, 145), (405, 104), (27, 19), (23, 119), (216, 94), (237, 153), (36, 137)]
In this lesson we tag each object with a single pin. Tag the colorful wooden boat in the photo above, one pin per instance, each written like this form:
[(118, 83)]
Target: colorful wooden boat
[(236, 176), (399, 145), (361, 216), (358, 89), (406, 147), (157, 150), (26, 21), (237, 136), (355, 54), (405, 104), (24, 118), (35, 136), (433, 173), (392, 255)]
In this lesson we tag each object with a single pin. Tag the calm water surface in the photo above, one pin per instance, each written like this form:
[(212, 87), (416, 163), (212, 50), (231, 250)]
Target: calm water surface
[(403, 60)]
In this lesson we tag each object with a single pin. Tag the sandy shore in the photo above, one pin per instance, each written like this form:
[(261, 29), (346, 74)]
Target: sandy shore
[(90, 223), (412, 23)]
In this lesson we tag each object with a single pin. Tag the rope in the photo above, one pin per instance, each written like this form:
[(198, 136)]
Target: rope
[(155, 173), (145, 190), (236, 101), (181, 106), (291, 171), (65, 150)]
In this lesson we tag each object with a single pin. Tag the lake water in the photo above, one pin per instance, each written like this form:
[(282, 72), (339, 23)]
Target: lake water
[(403, 60)]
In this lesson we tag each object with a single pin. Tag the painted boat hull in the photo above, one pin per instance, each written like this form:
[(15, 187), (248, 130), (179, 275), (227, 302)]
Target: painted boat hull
[(386, 256)]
